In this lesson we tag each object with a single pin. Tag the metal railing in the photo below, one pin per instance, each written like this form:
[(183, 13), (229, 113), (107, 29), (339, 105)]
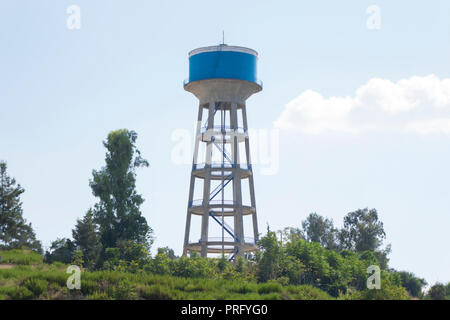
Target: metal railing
[(199, 202), (247, 240), (227, 129), (221, 165)]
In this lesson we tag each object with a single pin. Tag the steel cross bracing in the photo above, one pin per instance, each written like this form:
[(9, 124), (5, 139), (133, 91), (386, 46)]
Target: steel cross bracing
[(228, 172)]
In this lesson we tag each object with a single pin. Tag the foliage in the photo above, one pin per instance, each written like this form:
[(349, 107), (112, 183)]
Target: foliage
[(61, 250), (37, 286), (15, 232), (87, 240), (321, 230), (329, 273), (388, 291), (410, 282), (49, 282), (78, 258), (362, 231), (438, 291), (20, 257), (269, 257), (117, 213)]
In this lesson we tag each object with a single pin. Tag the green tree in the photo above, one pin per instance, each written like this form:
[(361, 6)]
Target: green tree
[(320, 229), (15, 232), (87, 240), (269, 257), (118, 211), (362, 231), (437, 291), (411, 283), (168, 251), (77, 258), (61, 250)]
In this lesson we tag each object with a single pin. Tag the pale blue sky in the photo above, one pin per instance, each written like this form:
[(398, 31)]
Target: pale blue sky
[(62, 91)]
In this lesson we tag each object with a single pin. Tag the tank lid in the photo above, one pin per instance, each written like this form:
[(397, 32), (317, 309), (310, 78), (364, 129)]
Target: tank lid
[(223, 47)]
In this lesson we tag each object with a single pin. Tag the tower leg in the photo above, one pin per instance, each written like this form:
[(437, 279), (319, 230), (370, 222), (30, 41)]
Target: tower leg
[(192, 183), (239, 221), (251, 182), (207, 185)]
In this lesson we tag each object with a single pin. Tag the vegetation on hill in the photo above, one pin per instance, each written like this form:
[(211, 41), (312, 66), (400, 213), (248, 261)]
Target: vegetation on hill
[(111, 245)]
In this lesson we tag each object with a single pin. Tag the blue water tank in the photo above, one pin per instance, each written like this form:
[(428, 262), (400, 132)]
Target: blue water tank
[(223, 62)]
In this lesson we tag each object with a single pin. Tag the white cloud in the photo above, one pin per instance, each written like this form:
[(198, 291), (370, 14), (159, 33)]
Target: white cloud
[(419, 104), (427, 127)]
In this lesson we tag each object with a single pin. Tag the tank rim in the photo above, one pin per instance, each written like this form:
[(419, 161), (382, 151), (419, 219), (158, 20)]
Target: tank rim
[(223, 47)]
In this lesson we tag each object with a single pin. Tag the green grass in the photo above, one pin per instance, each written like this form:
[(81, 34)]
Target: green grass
[(20, 257), (31, 279), (29, 282)]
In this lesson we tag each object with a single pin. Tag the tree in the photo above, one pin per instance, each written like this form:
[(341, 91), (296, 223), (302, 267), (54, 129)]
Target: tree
[(87, 240), (320, 229), (362, 231), (269, 257), (118, 211), (411, 283), (437, 291), (169, 252), (15, 232), (61, 250)]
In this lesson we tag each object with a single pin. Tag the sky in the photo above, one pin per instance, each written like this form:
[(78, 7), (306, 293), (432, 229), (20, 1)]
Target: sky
[(355, 110)]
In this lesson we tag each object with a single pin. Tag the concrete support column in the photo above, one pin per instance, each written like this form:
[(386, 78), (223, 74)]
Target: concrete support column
[(192, 182), (207, 184), (251, 182), (237, 190)]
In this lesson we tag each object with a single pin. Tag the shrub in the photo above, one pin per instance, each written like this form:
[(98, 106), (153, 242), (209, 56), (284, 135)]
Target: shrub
[(244, 287), (155, 292), (88, 286), (37, 286), (307, 292), (19, 293), (269, 287), (271, 296), (20, 257), (124, 290), (98, 295)]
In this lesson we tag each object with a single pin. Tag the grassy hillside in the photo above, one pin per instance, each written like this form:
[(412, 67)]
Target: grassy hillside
[(29, 278), (23, 275)]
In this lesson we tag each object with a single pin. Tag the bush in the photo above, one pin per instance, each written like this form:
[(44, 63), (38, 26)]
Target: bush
[(269, 287), (155, 292), (124, 290), (20, 257), (89, 286), (386, 292), (244, 287), (307, 292), (97, 295), (437, 292), (19, 293), (37, 286)]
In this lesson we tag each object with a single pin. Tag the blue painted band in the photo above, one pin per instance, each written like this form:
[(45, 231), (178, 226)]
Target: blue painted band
[(223, 64)]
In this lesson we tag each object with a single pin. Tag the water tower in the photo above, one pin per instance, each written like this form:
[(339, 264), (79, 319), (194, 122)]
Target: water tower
[(221, 193)]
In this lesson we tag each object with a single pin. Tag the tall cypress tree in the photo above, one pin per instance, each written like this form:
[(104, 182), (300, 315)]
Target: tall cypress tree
[(15, 232), (118, 211)]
